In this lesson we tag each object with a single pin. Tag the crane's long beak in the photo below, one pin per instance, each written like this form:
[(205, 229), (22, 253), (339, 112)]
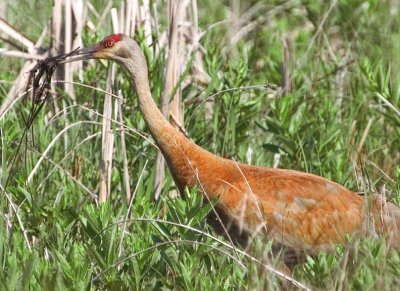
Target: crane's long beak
[(82, 54)]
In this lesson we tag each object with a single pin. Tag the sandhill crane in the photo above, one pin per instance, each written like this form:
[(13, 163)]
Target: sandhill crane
[(296, 209)]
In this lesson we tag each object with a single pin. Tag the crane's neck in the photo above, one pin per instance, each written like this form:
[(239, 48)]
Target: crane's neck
[(161, 130), (185, 159)]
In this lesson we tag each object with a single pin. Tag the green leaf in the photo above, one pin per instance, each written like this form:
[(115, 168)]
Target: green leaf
[(28, 269)]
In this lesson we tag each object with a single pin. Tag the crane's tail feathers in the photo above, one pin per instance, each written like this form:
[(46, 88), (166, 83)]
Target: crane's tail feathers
[(386, 217)]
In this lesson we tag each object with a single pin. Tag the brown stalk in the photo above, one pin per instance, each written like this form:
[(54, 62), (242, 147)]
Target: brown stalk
[(80, 14), (107, 140), (135, 15), (68, 73), (286, 80), (14, 37), (128, 19), (146, 18)]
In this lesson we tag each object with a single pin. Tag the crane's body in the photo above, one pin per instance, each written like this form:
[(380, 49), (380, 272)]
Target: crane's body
[(296, 209)]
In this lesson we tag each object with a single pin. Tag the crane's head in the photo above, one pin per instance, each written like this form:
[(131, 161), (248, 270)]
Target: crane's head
[(117, 47)]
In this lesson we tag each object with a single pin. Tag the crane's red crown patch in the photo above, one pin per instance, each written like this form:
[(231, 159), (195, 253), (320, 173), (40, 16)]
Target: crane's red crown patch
[(115, 37)]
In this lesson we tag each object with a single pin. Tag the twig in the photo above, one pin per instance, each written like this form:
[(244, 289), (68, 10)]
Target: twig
[(390, 105), (123, 151), (365, 134), (18, 54)]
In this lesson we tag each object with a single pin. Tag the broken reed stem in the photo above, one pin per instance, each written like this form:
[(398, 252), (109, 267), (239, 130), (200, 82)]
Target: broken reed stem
[(145, 9), (121, 19), (15, 37), (286, 80), (80, 14), (174, 63), (107, 140), (127, 24), (68, 73)]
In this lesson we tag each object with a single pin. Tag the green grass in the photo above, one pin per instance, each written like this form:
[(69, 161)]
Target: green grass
[(317, 127)]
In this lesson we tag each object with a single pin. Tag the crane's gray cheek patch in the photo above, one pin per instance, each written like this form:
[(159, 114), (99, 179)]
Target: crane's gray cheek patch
[(124, 53)]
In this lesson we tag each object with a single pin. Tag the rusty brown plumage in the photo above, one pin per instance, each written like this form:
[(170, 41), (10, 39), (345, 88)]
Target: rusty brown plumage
[(299, 210)]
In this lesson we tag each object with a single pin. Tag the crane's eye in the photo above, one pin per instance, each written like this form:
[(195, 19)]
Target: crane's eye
[(109, 43)]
